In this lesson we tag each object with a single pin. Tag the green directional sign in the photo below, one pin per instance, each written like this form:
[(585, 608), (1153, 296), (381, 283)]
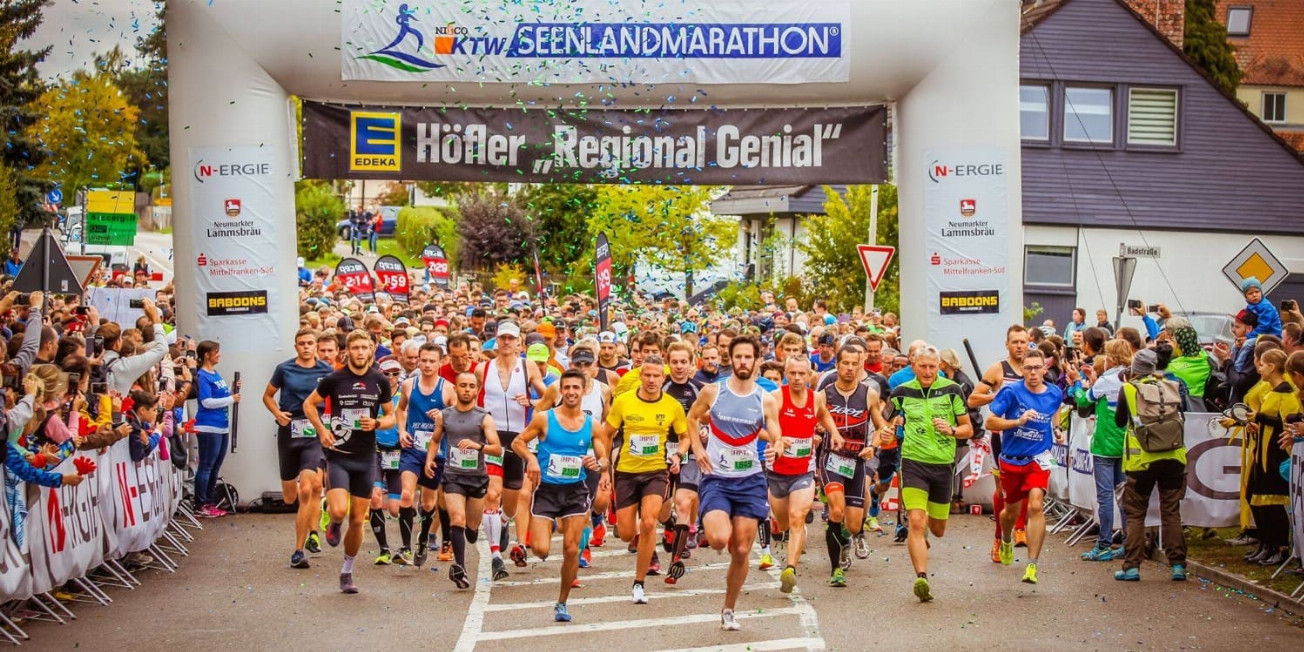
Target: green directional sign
[(110, 218)]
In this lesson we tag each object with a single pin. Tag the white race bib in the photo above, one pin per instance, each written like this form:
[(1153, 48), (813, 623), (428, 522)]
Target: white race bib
[(496, 460), (421, 439), (463, 459), (798, 448), (1045, 461), (841, 465), (564, 467), (389, 460), (352, 417), (738, 458), (302, 429), (644, 445)]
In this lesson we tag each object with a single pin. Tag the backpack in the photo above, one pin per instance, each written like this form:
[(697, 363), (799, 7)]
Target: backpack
[(1160, 426)]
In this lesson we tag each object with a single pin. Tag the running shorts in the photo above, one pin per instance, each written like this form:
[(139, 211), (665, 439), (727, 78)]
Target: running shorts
[(356, 473), (413, 461), (560, 500), (889, 460), (1017, 480), (690, 474), (388, 479), (631, 488), (747, 496), (783, 485), (844, 472), (297, 454), (512, 469), (927, 487), (473, 487)]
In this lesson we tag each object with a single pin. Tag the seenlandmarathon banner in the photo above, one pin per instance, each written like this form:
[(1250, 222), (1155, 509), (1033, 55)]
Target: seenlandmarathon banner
[(355, 276), (393, 277), (588, 41), (602, 277), (436, 262), (235, 238), (676, 146)]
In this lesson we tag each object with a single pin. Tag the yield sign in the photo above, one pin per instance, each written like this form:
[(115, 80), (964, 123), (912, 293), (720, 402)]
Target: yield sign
[(875, 258)]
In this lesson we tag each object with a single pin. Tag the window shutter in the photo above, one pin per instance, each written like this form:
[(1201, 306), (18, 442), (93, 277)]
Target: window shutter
[(1152, 117)]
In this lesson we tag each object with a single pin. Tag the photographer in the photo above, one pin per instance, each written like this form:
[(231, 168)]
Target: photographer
[(121, 372), (27, 352)]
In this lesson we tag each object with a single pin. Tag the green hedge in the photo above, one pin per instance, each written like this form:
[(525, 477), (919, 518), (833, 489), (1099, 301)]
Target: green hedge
[(418, 226)]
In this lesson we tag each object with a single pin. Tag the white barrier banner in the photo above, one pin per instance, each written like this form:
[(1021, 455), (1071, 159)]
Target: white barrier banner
[(1082, 479), (15, 571), (66, 531), (139, 498), (1297, 496)]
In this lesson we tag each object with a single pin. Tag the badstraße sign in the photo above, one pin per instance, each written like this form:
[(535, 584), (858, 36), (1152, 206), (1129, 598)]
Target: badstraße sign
[(674, 146)]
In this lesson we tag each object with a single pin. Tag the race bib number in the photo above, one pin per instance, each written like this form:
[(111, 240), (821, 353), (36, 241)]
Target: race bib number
[(352, 417), (841, 465), (1045, 461), (496, 460), (644, 445), (421, 439), (463, 459), (389, 460), (564, 467), (738, 458), (302, 429), (798, 448)]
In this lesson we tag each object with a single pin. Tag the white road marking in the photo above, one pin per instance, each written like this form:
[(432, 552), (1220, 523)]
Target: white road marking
[(514, 606), (585, 628), (475, 613), (626, 574), (759, 646)]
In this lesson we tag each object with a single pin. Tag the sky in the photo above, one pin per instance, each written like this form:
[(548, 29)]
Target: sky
[(79, 29)]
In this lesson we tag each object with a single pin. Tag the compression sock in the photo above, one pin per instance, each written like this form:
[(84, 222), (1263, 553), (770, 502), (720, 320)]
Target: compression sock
[(504, 533), (426, 518), (405, 517), (681, 540), (378, 528), (348, 564), (445, 525), (472, 534), (493, 525), (765, 536), (584, 538), (833, 537), (873, 503), (459, 545)]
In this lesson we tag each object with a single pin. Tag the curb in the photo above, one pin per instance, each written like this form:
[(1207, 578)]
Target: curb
[(1263, 593)]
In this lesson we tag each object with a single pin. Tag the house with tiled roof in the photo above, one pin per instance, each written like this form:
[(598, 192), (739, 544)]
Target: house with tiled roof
[(1269, 39)]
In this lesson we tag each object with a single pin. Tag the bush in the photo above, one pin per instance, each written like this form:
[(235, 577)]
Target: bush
[(317, 209), (419, 226)]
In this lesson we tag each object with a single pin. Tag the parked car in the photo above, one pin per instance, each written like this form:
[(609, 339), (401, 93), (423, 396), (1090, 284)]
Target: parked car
[(388, 224), (1211, 326)]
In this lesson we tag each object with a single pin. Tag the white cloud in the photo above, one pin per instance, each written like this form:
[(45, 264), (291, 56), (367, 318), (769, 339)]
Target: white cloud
[(80, 29)]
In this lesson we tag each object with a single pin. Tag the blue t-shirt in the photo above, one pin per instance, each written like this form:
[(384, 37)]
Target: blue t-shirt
[(1019, 445), (388, 438), (296, 383), (821, 367)]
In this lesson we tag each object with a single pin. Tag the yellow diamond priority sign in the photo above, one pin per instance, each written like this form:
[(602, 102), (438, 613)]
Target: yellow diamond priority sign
[(1255, 260)]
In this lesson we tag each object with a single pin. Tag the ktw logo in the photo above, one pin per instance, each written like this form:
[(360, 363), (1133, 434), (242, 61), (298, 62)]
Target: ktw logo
[(938, 170), (205, 171)]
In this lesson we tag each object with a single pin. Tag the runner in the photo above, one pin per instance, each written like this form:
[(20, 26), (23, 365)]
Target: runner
[(680, 534), (420, 399), (1024, 412), (1000, 375), (791, 481), (467, 433), (389, 486), (857, 414), (732, 489), (505, 382), (647, 417), (564, 436), (297, 447), (934, 416), (360, 401)]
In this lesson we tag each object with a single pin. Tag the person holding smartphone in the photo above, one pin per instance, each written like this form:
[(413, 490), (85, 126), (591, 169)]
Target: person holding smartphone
[(213, 426)]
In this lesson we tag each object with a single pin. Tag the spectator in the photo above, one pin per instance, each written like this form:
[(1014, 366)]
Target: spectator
[(145, 424), (1268, 492), (141, 267), (357, 229), (373, 230), (32, 332), (1269, 320), (1077, 325), (1192, 364), (305, 274), (1237, 362), (13, 264), (1100, 394), (121, 371), (213, 425), (1102, 321)]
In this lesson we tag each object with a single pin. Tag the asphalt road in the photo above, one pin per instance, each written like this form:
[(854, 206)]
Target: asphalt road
[(236, 592)]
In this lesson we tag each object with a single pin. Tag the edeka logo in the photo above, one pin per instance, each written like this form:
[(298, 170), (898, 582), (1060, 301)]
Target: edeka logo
[(205, 171), (937, 170), (975, 302), (374, 141)]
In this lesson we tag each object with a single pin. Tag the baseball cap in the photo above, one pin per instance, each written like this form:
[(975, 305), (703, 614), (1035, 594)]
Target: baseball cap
[(390, 365), (402, 321), (538, 352), (547, 330), (1248, 318), (827, 338), (583, 354), (534, 338), (607, 337), (509, 328), (441, 322)]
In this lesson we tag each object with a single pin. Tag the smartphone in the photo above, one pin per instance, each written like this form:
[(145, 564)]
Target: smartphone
[(97, 346), (100, 387), (192, 355), (23, 300), (136, 304), (1289, 304), (74, 381), (82, 310), (1154, 308), (1133, 304)]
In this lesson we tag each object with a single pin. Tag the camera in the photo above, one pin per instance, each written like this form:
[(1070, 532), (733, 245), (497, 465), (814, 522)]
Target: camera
[(82, 310), (23, 300), (94, 346), (100, 387), (1289, 304), (136, 304)]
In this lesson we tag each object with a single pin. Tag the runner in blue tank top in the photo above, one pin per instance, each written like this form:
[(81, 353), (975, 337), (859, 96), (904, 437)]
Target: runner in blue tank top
[(420, 400), (556, 471), (733, 492), (387, 489)]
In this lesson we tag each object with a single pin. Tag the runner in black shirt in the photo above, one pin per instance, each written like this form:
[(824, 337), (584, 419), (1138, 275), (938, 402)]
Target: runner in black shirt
[(361, 403)]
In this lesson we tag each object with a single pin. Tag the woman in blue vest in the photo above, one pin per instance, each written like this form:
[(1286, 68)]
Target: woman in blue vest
[(213, 427)]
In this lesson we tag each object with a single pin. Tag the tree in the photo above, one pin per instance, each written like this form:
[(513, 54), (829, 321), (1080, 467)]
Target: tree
[(8, 206), (89, 128), (494, 229), (20, 86), (560, 212), (396, 195), (671, 227), (317, 208), (1204, 40), (833, 265)]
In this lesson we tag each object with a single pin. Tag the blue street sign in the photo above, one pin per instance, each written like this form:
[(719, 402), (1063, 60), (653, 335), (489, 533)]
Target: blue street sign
[(55, 196)]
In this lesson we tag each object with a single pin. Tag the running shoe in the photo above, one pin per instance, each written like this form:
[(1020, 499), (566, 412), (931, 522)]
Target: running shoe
[(872, 525), (334, 533), (203, 512), (654, 566), (1007, 553), (701, 538), (839, 579), (668, 540), (383, 558), (675, 572), (458, 575), (922, 590), (499, 569), (560, 614), (419, 559), (862, 548), (1179, 573), (781, 545), (586, 558), (575, 583), (996, 551), (599, 536), (216, 512), (1030, 574), (325, 519), (404, 557), (313, 544), (633, 544), (687, 554), (446, 552), (346, 583), (298, 560), (900, 534), (517, 554), (727, 621), (844, 558), (1099, 553), (691, 544), (787, 580), (767, 562), (1242, 540), (1020, 538), (639, 596), (1128, 575)]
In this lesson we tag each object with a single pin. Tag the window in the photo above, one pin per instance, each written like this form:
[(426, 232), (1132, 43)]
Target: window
[(1238, 20), (1034, 112), (1089, 115), (1049, 266), (1274, 107), (1151, 116)]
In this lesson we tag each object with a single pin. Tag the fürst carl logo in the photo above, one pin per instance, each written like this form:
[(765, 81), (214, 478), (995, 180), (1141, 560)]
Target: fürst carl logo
[(374, 141)]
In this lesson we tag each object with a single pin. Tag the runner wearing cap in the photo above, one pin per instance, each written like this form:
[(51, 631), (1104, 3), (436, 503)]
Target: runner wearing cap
[(822, 359), (609, 353)]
